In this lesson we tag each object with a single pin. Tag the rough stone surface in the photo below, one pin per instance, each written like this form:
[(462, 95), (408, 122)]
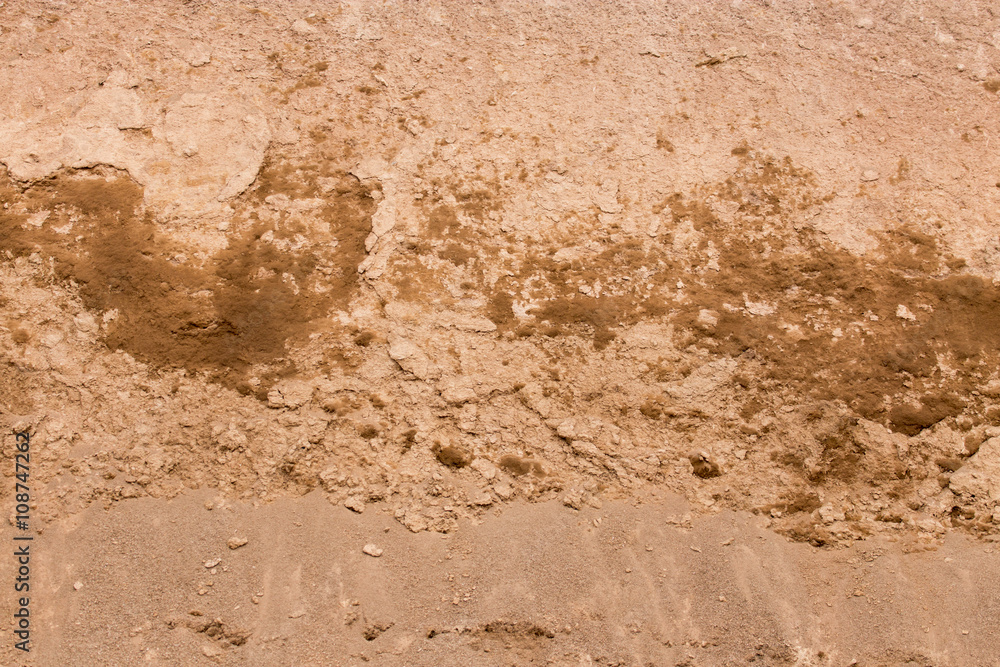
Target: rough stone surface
[(980, 476)]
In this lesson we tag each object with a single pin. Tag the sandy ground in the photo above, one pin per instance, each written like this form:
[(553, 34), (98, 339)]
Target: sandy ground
[(644, 584), (622, 333)]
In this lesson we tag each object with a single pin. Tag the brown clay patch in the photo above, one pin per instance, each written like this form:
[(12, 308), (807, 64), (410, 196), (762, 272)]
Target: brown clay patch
[(822, 321), (517, 466), (222, 316), (563, 310), (829, 323)]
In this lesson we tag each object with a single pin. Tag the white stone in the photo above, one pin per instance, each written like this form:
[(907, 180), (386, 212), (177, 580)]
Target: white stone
[(943, 38), (607, 198), (410, 357), (758, 307), (572, 429), (236, 542), (708, 318), (484, 468), (504, 490), (355, 504), (302, 27), (828, 514), (457, 391), (198, 55), (980, 476), (992, 389), (38, 219), (370, 167)]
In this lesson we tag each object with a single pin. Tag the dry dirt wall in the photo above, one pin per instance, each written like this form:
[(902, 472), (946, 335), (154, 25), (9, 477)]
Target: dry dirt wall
[(429, 259)]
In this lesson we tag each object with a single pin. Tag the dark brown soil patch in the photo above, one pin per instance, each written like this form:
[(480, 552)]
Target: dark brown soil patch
[(222, 316)]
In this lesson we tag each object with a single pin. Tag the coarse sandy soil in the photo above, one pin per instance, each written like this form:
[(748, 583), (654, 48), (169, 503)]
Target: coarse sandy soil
[(501, 333)]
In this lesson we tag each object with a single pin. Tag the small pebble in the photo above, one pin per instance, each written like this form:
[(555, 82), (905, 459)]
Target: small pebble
[(355, 504), (209, 564), (372, 550), (78, 585), (236, 542)]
